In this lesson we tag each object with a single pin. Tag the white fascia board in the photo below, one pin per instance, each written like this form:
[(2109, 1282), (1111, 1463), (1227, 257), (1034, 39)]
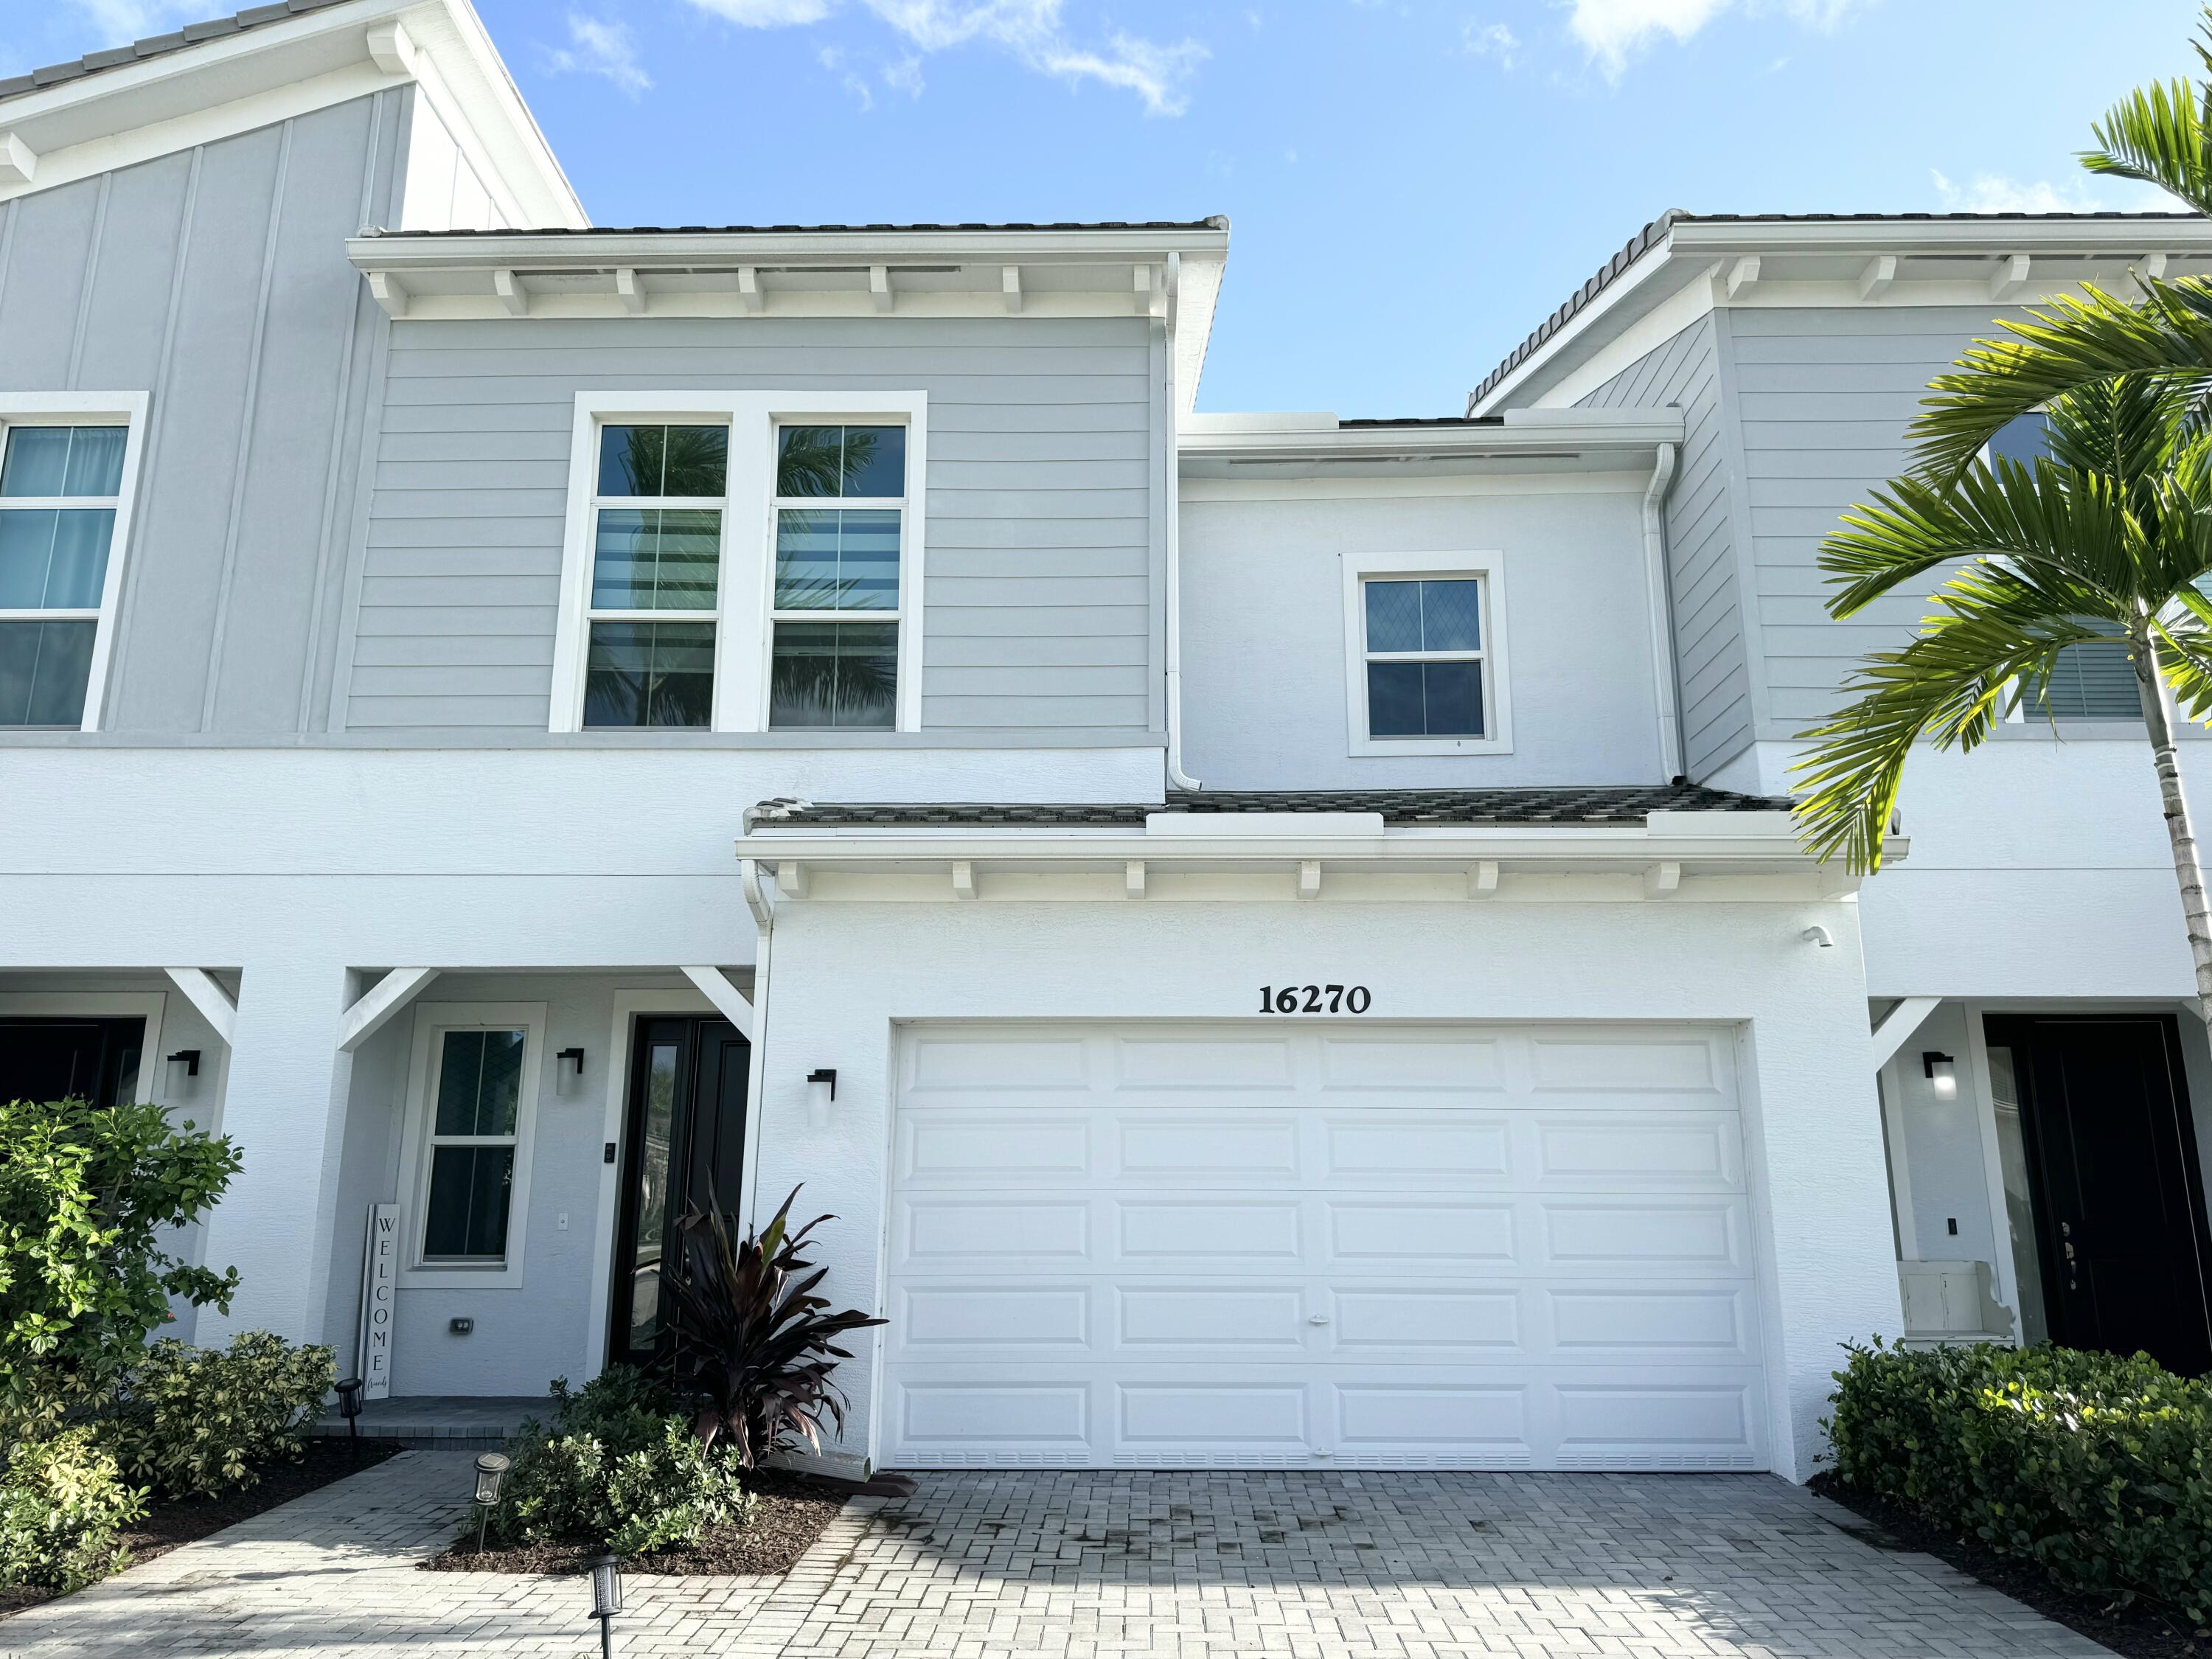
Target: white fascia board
[(235, 83), (734, 248), (1526, 432), (1649, 280), (1768, 840)]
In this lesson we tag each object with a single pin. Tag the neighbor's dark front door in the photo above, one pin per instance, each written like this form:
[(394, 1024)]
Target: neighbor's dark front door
[(2119, 1195), (94, 1060), (684, 1146)]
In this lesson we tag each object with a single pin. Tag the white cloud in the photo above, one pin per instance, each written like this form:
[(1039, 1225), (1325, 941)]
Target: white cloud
[(834, 61), (905, 75), (1613, 31), (1491, 40), (1032, 30), (599, 48), (1995, 193)]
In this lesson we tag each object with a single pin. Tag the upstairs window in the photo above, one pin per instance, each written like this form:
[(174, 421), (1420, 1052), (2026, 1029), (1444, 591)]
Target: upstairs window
[(658, 511), (840, 525), (2089, 682), (61, 495), (1424, 658)]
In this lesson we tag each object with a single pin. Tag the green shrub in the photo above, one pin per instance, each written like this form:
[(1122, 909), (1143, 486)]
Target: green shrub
[(63, 1508), (201, 1420), (618, 1469), (2097, 1468), (85, 1195)]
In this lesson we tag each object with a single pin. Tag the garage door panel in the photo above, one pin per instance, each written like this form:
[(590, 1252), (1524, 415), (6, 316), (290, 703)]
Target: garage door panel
[(1177, 1235), (1394, 1066), (1300, 1245), (1648, 1151), (1243, 1149)]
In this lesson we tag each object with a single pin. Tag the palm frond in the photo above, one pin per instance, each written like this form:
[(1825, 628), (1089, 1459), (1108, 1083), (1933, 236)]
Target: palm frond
[(2156, 135), (2076, 341), (2054, 525), (1993, 631)]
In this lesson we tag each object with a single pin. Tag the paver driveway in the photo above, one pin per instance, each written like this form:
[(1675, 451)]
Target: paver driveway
[(1190, 1565)]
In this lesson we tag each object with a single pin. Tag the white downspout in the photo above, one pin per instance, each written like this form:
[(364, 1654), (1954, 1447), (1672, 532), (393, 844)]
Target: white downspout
[(1662, 613), (1177, 778)]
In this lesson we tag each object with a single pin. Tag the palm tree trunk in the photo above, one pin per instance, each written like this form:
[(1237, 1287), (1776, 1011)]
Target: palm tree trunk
[(2158, 716)]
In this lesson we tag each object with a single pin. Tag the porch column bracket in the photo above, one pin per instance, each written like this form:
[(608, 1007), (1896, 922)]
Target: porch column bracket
[(1899, 1025), (214, 1003), (729, 1001), (378, 1004)]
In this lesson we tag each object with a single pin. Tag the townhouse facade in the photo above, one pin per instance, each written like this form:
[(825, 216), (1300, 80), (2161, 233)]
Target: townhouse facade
[(1279, 939)]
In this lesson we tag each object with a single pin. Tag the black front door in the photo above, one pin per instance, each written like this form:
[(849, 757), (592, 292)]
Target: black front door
[(2118, 1196), (94, 1060), (685, 1147)]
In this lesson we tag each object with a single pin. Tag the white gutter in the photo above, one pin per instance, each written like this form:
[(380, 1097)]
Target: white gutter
[(1661, 584), (1177, 778)]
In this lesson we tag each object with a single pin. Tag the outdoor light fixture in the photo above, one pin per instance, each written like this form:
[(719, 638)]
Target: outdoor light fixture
[(606, 1599), (189, 1060), (568, 1070), (1942, 1072), (821, 1089), (491, 1469), (351, 1389)]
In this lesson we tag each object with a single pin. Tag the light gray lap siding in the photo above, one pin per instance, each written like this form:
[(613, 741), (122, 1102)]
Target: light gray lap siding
[(1711, 655), (1040, 604), (214, 280), (1824, 397)]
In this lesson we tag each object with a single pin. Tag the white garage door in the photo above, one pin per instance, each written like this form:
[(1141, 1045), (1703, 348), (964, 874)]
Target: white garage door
[(1463, 1247)]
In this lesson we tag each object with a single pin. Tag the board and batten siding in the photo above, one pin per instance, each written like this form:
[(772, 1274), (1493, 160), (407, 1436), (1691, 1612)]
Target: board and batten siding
[(1712, 665), (216, 279), (1040, 604), (1824, 397)]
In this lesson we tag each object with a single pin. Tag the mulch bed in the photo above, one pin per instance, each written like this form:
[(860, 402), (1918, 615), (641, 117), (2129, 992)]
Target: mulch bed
[(793, 1511), (2137, 1632), (173, 1520)]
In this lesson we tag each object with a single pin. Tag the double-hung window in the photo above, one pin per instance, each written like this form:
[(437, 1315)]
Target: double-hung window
[(659, 507), (1424, 656), (471, 1115), (743, 562), (839, 520), (61, 497)]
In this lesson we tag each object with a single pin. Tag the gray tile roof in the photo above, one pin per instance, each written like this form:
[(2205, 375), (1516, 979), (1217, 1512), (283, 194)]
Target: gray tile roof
[(1642, 241), (1603, 807), (157, 46), (1216, 222)]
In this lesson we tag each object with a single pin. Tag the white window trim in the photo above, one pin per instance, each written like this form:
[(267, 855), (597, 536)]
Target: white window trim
[(125, 409), (432, 1021), (743, 626), (1489, 567)]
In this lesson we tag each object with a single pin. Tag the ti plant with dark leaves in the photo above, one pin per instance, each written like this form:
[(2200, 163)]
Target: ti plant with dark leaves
[(752, 1341)]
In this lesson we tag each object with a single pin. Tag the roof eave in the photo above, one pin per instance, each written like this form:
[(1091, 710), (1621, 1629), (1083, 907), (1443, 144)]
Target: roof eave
[(496, 250)]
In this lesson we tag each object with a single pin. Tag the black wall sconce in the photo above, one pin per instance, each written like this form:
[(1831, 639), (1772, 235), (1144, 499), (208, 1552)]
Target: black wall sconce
[(568, 1070), (821, 1091), (189, 1059), (1941, 1071)]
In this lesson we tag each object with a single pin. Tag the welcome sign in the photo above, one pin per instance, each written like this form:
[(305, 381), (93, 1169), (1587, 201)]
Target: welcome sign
[(380, 1284)]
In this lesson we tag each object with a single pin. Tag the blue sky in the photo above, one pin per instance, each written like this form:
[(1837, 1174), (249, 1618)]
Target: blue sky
[(1414, 184)]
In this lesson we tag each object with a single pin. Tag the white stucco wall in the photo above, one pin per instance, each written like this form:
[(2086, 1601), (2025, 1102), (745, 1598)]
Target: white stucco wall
[(1263, 625), (845, 975)]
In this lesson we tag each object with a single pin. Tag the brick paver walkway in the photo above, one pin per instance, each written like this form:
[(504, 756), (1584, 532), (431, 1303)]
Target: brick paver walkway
[(1101, 1566)]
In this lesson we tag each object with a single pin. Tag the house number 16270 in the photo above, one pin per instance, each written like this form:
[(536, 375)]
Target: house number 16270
[(1314, 999)]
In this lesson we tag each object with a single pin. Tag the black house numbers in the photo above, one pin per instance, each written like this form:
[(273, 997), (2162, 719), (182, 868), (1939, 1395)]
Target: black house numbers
[(1315, 999)]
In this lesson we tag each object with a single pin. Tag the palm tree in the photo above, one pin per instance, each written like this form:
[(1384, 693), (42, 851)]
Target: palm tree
[(2109, 537)]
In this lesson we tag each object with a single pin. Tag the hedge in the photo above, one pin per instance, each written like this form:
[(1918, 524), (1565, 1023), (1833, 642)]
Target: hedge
[(2097, 1468)]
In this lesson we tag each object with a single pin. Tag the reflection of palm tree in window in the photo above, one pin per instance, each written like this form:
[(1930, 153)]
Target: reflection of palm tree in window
[(821, 460), (677, 461)]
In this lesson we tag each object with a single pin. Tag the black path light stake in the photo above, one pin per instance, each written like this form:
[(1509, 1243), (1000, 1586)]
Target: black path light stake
[(607, 1599), (350, 1391), (491, 1469)]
